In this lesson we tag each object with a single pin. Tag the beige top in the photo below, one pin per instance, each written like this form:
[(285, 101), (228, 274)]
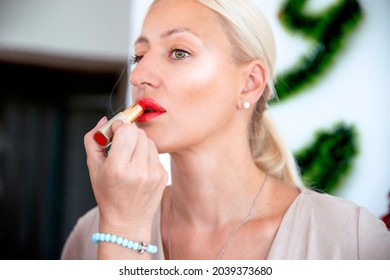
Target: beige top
[(316, 226)]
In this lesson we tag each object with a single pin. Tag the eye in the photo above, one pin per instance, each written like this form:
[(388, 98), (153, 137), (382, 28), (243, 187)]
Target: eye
[(179, 54), (134, 59)]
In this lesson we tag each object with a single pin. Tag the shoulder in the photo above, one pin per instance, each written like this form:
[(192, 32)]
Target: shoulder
[(322, 226), (350, 222), (325, 212), (78, 244), (324, 215), (327, 205), (335, 212)]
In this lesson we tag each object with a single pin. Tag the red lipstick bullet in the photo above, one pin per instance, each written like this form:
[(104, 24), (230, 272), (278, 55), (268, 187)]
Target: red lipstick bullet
[(104, 135)]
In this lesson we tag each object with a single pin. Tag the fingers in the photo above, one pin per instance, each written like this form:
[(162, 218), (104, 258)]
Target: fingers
[(93, 150), (124, 142), (141, 153), (156, 170), (153, 159), (89, 136), (130, 146), (129, 181), (130, 150)]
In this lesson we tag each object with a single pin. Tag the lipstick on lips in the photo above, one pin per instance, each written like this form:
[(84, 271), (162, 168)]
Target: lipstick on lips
[(143, 110), (104, 135), (152, 110)]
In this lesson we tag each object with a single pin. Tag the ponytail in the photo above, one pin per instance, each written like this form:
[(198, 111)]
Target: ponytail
[(269, 151)]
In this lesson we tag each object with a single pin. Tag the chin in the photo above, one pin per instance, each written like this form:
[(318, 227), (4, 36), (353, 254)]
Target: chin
[(167, 141), (164, 149), (167, 147), (159, 139)]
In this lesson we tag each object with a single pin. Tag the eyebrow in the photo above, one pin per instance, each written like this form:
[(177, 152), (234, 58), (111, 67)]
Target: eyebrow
[(145, 40)]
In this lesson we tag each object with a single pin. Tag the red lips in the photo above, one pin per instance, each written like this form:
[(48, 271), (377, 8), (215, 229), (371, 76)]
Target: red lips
[(151, 111)]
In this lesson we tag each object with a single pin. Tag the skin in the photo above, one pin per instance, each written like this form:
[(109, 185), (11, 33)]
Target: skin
[(214, 179)]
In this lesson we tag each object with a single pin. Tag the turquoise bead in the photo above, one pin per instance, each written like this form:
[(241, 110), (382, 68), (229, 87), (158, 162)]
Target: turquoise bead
[(96, 238), (130, 244), (113, 238), (135, 246), (125, 242), (107, 237)]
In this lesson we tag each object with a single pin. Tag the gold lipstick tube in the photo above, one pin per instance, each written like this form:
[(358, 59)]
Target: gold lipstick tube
[(104, 135)]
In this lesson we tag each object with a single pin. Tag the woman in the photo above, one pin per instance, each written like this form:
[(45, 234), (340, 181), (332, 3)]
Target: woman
[(204, 69)]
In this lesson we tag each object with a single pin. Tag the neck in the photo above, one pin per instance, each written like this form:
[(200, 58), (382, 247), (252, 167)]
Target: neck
[(210, 186)]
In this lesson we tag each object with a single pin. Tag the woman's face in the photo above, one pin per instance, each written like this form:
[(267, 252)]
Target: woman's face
[(185, 64)]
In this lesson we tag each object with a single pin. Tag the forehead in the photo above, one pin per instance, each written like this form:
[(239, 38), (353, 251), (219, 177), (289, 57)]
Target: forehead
[(167, 15)]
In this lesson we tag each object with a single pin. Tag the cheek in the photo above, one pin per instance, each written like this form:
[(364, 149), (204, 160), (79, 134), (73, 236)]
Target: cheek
[(203, 85), (201, 98), (204, 99)]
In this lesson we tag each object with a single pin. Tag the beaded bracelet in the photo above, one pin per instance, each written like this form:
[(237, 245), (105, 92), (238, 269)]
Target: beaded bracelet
[(112, 238)]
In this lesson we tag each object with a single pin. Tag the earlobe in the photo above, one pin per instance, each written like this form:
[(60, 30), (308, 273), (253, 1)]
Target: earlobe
[(247, 105)]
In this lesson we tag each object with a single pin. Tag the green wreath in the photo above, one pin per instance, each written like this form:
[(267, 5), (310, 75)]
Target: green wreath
[(328, 159)]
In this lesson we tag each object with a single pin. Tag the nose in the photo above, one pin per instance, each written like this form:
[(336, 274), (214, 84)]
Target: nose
[(145, 73)]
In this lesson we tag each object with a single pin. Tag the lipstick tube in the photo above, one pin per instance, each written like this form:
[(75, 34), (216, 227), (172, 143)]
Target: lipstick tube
[(104, 135)]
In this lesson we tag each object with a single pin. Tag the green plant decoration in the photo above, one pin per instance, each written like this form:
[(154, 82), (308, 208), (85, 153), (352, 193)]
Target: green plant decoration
[(327, 31), (326, 162), (328, 159)]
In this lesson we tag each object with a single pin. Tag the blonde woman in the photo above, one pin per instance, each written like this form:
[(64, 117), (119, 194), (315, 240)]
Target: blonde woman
[(204, 71)]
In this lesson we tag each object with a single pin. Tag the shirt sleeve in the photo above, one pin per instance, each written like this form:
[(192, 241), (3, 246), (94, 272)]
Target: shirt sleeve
[(78, 245)]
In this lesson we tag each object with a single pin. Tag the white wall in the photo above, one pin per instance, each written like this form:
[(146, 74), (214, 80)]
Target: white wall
[(96, 29), (355, 91)]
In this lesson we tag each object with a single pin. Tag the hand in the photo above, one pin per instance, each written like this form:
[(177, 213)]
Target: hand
[(128, 183)]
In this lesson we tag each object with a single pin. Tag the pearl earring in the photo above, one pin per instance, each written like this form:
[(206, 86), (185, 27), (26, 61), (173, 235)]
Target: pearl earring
[(247, 105)]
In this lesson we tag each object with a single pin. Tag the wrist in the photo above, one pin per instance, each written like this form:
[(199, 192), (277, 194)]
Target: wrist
[(129, 231), (126, 222)]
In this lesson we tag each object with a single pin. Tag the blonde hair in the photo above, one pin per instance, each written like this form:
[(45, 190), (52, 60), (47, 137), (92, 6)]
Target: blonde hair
[(252, 38)]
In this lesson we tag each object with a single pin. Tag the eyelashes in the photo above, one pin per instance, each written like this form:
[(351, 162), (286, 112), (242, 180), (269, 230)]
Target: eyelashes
[(134, 59), (175, 54)]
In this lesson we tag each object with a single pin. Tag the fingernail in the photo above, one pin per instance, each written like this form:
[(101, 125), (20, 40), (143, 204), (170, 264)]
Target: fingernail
[(102, 120)]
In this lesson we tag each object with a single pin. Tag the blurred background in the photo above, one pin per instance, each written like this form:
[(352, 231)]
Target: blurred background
[(63, 66)]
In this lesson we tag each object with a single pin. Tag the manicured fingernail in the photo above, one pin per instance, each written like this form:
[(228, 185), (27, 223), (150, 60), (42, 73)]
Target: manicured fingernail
[(102, 120)]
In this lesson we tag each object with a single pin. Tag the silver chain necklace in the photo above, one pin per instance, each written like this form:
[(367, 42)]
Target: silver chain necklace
[(233, 231)]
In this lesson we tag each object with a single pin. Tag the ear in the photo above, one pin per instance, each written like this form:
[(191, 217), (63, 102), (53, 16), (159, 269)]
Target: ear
[(255, 81)]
